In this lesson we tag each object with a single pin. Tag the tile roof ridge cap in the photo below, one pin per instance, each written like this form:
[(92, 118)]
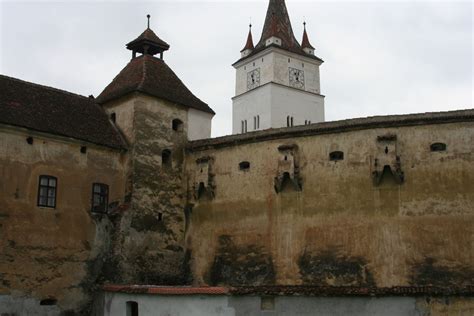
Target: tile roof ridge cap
[(142, 81), (46, 87)]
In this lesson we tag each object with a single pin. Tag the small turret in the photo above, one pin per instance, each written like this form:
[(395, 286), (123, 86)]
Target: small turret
[(249, 45), (148, 43), (305, 44)]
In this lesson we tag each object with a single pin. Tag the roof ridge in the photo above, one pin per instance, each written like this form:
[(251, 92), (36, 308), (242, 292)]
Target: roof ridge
[(349, 124), (142, 81), (44, 86)]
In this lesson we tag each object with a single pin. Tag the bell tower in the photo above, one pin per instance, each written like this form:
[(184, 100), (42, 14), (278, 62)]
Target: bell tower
[(277, 80)]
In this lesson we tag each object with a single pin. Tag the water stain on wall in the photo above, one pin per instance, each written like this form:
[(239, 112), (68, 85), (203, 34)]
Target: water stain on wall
[(431, 272), (332, 268), (241, 264)]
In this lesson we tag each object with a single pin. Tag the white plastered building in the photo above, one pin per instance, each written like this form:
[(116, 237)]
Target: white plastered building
[(278, 80)]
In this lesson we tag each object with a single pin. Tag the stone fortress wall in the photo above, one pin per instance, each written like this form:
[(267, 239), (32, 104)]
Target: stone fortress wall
[(52, 258), (374, 202)]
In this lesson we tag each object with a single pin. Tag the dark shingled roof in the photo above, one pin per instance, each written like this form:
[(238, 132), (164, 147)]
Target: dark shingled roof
[(148, 37), (151, 76), (277, 23), (48, 110), (333, 127)]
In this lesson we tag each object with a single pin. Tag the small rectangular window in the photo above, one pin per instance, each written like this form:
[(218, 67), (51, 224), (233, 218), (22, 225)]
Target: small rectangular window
[(100, 197), (47, 191)]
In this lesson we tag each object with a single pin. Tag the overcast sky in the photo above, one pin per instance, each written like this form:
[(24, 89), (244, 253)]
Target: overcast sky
[(380, 57)]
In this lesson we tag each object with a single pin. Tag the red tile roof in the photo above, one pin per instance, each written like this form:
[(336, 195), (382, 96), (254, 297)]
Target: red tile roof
[(150, 75), (305, 42), (49, 110), (166, 290), (249, 43), (292, 290)]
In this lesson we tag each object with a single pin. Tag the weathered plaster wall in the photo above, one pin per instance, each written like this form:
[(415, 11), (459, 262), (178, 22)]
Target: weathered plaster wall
[(157, 305), (149, 235), (51, 253), (199, 124), (273, 64), (341, 228), (174, 305)]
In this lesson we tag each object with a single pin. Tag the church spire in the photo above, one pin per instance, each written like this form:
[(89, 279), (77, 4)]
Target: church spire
[(305, 44), (249, 44), (278, 25)]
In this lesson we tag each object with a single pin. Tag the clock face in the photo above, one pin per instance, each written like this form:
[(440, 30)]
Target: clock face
[(296, 78), (253, 79)]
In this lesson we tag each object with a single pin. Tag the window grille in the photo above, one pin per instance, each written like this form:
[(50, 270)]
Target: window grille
[(100, 197), (47, 191)]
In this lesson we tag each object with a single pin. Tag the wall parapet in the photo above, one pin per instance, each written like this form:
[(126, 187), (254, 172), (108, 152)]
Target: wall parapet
[(334, 127)]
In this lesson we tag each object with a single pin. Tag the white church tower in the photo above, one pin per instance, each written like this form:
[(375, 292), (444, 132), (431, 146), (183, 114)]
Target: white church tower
[(277, 81)]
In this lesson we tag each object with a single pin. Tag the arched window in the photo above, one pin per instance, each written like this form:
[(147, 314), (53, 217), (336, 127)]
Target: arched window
[(177, 125), (166, 158), (113, 117), (254, 122), (336, 155), (288, 121), (245, 125), (242, 128), (132, 308), (258, 121), (291, 121), (438, 147)]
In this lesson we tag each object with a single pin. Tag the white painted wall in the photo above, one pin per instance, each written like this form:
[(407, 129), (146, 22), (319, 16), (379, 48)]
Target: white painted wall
[(274, 99), (199, 124), (283, 60), (168, 305), (298, 104), (222, 305), (262, 61), (250, 104), (274, 102)]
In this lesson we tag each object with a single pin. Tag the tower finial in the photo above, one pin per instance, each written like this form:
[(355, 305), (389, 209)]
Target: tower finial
[(148, 17)]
